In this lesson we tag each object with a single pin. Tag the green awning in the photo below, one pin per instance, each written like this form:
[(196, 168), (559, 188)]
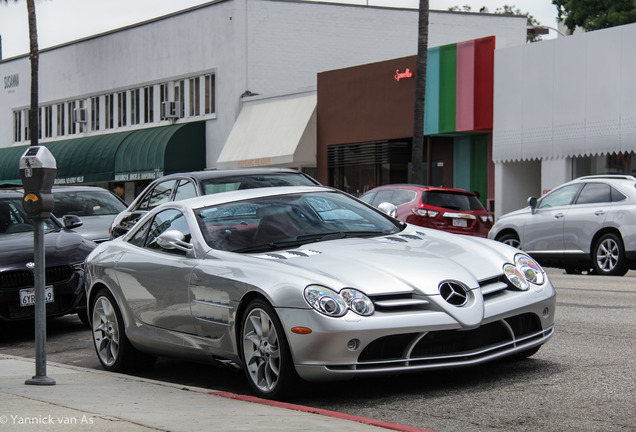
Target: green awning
[(87, 159), (150, 153), (10, 164), (123, 156)]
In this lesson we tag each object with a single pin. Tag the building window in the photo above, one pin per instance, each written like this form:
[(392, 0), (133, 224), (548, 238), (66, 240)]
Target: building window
[(209, 94), (615, 163), (179, 96), (48, 121), (195, 102), (26, 114), (17, 126), (60, 119), (149, 104), (134, 107), (71, 118), (163, 93), (121, 109), (95, 113), (110, 109)]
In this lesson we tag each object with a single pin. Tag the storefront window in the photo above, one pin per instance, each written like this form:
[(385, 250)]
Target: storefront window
[(616, 163)]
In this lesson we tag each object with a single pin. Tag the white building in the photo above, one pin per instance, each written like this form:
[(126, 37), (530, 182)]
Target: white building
[(163, 95), (563, 108)]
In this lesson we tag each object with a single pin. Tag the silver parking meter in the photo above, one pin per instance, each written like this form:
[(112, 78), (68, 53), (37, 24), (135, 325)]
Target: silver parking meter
[(38, 169)]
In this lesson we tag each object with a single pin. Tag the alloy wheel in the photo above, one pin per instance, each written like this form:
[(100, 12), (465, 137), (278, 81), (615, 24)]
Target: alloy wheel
[(105, 331), (607, 255), (261, 350)]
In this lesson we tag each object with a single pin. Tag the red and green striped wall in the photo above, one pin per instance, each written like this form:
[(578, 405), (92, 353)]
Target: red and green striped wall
[(459, 87)]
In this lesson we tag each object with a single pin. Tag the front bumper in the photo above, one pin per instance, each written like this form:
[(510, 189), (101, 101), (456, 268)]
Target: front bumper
[(68, 292), (416, 340)]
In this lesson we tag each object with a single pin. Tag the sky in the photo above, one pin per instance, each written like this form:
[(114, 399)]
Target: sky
[(61, 21)]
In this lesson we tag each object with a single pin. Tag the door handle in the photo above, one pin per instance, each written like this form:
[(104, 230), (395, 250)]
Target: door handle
[(599, 212), (558, 215)]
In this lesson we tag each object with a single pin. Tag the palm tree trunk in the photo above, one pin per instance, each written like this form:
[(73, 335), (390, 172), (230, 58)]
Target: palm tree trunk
[(34, 56), (415, 175)]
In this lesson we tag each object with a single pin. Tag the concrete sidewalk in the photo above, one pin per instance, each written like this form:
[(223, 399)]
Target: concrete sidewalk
[(93, 400)]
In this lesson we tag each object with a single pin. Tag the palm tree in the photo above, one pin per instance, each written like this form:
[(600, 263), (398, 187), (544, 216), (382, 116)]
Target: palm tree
[(34, 56), (420, 96)]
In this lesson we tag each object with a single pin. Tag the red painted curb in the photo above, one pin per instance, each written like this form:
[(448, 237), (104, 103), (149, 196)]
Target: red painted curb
[(359, 419)]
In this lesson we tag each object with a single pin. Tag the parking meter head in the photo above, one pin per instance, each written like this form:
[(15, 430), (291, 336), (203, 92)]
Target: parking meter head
[(38, 170)]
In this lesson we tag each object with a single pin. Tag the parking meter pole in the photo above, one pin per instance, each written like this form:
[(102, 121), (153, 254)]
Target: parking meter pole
[(37, 171), (40, 377)]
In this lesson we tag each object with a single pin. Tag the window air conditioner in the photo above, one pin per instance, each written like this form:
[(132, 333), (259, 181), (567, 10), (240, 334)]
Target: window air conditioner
[(170, 110), (80, 115)]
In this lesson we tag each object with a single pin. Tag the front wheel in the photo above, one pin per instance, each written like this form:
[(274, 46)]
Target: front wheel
[(510, 239), (114, 350), (265, 353), (609, 256)]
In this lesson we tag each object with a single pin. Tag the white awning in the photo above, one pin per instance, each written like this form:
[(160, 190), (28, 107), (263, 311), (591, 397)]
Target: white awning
[(278, 131)]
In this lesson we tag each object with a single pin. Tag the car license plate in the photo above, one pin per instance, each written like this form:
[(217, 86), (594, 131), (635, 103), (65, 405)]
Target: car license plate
[(463, 223), (27, 296)]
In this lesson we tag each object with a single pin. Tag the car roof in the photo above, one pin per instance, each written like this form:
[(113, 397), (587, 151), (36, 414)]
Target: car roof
[(208, 174), (246, 194), (77, 188), (11, 193), (420, 187)]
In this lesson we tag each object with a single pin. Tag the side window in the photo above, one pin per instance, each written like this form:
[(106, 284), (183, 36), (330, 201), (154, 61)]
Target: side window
[(140, 236), (594, 193), (160, 194), (616, 195), (560, 197), (165, 221), (185, 190), (383, 196), (368, 198), (403, 196)]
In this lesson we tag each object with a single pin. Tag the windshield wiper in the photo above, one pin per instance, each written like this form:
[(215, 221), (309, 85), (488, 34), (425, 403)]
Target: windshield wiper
[(308, 238)]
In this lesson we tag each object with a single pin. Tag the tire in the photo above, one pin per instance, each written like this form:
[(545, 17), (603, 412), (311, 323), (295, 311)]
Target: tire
[(608, 256), (267, 360), (83, 316), (511, 240), (114, 350)]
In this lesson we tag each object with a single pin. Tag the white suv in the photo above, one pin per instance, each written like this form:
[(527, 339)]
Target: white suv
[(588, 224)]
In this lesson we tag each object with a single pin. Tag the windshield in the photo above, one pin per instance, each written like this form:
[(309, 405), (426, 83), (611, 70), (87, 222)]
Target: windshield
[(292, 220), (97, 202), (13, 218), (238, 182)]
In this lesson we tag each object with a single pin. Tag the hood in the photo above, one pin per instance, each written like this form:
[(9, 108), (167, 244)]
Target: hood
[(95, 228), (522, 211), (61, 247), (414, 260)]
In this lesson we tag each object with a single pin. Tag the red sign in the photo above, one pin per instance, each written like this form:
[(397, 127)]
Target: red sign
[(401, 75)]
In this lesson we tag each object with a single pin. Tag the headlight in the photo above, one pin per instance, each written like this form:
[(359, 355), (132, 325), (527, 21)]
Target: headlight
[(357, 301), (515, 276), (524, 272), (335, 304), (530, 269)]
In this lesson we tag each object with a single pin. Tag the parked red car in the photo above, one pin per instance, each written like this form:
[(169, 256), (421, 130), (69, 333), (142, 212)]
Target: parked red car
[(453, 210)]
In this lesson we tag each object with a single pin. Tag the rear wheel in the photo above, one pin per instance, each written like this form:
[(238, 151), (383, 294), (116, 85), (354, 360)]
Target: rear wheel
[(114, 350), (510, 239), (266, 356), (609, 256)]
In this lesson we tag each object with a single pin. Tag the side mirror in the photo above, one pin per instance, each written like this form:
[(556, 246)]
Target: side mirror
[(173, 239), (388, 208), (71, 221), (532, 202)]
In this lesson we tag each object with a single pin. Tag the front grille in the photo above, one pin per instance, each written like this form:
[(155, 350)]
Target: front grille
[(452, 345), (24, 278)]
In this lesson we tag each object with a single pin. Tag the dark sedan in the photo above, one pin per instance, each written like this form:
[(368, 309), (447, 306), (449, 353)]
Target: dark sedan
[(176, 187), (65, 252)]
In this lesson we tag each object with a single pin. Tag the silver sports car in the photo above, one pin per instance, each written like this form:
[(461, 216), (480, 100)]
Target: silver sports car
[(308, 282)]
